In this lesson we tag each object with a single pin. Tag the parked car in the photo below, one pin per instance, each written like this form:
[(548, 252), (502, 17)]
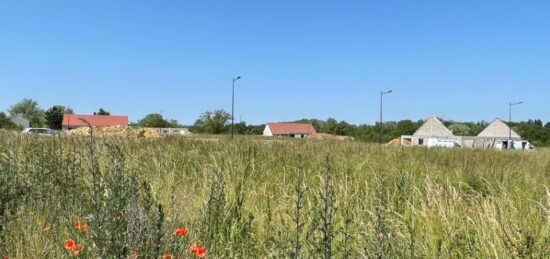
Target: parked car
[(41, 131)]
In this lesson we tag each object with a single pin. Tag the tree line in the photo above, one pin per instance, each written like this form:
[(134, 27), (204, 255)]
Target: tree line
[(219, 122)]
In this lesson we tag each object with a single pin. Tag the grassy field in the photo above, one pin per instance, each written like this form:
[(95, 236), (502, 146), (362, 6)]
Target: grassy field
[(253, 199)]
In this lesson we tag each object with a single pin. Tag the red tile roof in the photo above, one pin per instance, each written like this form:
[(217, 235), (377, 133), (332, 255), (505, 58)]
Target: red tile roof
[(284, 128), (74, 120)]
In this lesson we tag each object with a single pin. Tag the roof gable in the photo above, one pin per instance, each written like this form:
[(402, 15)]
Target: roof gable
[(498, 129), (74, 120), (433, 127), (284, 128)]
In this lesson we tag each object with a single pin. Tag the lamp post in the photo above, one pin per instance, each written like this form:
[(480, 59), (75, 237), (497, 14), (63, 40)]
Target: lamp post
[(510, 122), (233, 106), (382, 93)]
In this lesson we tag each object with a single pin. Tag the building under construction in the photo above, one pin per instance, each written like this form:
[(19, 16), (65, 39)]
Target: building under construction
[(497, 134)]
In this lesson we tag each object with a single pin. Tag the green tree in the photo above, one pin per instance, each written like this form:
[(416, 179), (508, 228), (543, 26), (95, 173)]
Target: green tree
[(6, 123), (344, 129), (30, 110), (330, 126), (155, 120), (460, 129), (405, 127), (102, 112), (255, 129), (54, 116), (213, 122)]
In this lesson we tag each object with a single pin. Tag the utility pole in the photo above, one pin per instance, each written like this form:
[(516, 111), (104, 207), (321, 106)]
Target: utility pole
[(382, 93), (233, 106)]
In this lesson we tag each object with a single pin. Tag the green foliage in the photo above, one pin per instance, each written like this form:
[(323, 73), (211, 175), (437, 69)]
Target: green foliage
[(213, 122), (460, 129), (250, 199), (30, 110), (534, 132), (405, 127), (102, 112), (54, 116), (155, 120), (6, 123)]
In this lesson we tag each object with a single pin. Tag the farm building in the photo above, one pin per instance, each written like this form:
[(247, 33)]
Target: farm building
[(293, 130), (495, 135), (434, 134), (72, 121), (433, 128)]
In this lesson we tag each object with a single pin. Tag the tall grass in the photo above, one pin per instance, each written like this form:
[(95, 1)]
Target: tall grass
[(251, 199)]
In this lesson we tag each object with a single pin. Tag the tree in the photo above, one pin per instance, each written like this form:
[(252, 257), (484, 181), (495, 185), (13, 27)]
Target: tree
[(460, 129), (330, 126), (155, 120), (255, 129), (547, 125), (30, 110), (6, 123), (405, 127), (54, 116), (102, 112), (213, 122)]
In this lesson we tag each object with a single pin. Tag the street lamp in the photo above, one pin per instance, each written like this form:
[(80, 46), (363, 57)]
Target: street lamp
[(382, 93), (510, 122), (233, 105)]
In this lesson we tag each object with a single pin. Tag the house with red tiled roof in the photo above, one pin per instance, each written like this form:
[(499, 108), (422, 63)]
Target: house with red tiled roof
[(286, 129), (72, 121)]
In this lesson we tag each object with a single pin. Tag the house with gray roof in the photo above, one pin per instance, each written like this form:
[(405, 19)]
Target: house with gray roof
[(496, 135)]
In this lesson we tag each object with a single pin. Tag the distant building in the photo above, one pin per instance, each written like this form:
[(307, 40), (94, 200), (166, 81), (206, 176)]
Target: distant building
[(495, 135), (498, 129), (20, 121), (432, 128), (72, 121), (293, 130), (433, 133)]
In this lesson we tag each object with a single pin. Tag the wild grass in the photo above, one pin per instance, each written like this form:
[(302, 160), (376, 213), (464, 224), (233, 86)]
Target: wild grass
[(245, 198)]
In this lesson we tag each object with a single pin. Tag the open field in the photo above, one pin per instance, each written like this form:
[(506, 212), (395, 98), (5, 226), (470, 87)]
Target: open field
[(252, 199)]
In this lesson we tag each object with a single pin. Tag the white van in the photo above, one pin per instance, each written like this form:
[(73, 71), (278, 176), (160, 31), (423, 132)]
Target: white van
[(448, 143)]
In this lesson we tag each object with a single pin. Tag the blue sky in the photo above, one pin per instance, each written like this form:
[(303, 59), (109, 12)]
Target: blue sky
[(462, 60)]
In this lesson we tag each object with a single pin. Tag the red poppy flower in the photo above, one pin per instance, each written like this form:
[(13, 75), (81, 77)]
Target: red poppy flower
[(180, 232), (201, 252), (167, 255), (193, 248), (197, 250), (76, 249), (85, 228), (69, 244), (77, 225)]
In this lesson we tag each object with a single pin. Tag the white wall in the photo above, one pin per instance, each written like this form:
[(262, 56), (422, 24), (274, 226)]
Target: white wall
[(267, 131)]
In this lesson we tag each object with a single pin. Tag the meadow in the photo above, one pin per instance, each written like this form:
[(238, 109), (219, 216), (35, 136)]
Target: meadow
[(244, 198)]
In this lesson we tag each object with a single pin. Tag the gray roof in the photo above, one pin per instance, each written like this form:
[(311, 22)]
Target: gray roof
[(498, 129), (433, 128)]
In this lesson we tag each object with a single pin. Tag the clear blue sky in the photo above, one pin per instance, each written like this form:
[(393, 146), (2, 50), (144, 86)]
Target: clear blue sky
[(462, 60)]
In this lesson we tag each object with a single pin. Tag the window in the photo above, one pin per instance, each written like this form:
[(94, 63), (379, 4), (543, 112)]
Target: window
[(420, 141)]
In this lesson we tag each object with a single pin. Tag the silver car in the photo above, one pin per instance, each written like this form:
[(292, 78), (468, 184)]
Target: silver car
[(41, 131)]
